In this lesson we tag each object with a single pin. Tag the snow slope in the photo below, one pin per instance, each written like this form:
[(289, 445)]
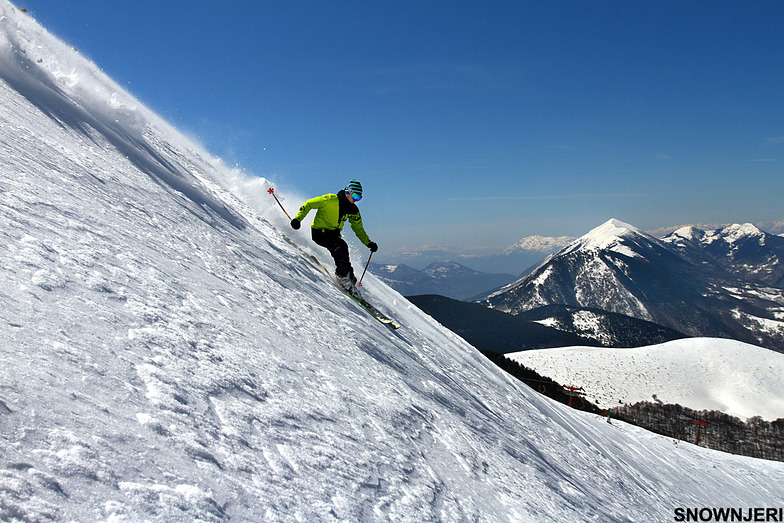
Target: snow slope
[(700, 373), (168, 354)]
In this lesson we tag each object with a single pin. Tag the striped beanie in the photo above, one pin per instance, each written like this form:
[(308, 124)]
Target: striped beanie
[(354, 187)]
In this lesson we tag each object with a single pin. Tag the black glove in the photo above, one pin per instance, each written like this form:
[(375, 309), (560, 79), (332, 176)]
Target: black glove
[(295, 224), (372, 246)]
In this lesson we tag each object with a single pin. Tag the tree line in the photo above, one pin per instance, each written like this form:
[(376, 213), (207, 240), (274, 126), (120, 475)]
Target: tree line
[(754, 437)]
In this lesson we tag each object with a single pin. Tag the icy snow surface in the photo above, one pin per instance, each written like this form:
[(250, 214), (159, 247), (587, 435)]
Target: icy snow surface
[(700, 373), (168, 353)]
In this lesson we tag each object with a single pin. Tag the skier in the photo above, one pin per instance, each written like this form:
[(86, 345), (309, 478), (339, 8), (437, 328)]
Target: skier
[(332, 212)]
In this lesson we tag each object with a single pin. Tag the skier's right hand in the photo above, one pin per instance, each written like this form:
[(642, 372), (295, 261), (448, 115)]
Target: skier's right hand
[(295, 224)]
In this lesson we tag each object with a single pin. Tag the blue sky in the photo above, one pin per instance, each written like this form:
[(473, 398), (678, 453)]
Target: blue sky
[(471, 124)]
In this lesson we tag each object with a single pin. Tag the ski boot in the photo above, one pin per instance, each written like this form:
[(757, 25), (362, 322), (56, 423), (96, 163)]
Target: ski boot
[(349, 283)]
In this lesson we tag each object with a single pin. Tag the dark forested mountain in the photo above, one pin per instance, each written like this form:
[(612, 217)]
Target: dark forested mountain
[(603, 328), (493, 330), (551, 326)]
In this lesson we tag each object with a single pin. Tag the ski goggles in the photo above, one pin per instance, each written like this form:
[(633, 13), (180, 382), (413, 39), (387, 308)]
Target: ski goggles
[(356, 197)]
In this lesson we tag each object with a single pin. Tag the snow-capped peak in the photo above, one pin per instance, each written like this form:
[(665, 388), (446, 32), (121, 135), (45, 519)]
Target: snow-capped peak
[(605, 236), (608, 233), (733, 233), (730, 234), (689, 232), (539, 243)]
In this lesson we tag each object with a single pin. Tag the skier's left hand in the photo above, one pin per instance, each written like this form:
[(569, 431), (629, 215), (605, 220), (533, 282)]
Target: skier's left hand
[(372, 246)]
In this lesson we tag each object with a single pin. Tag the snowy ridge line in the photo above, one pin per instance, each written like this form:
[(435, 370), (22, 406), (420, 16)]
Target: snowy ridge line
[(167, 356), (74, 92), (699, 373)]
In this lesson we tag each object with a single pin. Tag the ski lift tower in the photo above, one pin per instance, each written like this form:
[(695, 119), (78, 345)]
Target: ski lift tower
[(572, 392), (699, 424)]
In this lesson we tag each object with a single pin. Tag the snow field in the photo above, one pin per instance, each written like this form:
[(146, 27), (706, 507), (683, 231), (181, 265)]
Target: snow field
[(700, 373)]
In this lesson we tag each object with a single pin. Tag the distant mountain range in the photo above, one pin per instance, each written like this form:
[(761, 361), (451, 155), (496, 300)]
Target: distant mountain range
[(539, 244), (527, 253), (741, 251), (446, 278), (727, 282), (722, 283), (517, 259)]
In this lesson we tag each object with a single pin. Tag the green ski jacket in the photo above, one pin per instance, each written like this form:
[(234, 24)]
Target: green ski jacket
[(329, 217)]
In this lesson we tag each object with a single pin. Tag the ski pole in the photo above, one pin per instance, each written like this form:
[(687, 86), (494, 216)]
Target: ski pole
[(272, 192), (359, 283)]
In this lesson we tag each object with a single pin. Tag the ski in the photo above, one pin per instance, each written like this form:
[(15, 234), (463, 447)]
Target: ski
[(372, 310), (377, 314)]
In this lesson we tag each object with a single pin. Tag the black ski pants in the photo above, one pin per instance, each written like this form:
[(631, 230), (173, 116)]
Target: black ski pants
[(337, 247)]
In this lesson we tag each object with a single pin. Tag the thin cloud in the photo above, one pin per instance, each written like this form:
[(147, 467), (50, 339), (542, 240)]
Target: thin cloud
[(548, 197)]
